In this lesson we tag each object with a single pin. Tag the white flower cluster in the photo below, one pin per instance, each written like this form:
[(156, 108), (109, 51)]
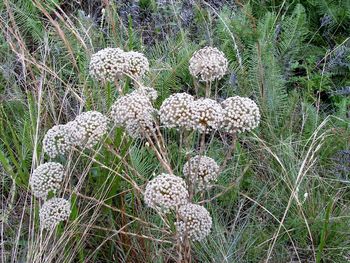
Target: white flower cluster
[(137, 64), (53, 212), (139, 128), (166, 192), (181, 110), (134, 112), (57, 141), (208, 64), (194, 221), (88, 128), (176, 111), (131, 107), (110, 64), (202, 170), (149, 92), (45, 178), (240, 114), (207, 115)]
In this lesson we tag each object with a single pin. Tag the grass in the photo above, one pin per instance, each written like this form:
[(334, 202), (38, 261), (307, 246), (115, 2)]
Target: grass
[(281, 197)]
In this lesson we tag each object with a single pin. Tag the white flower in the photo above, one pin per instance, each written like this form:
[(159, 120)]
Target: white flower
[(137, 65), (208, 64), (305, 197), (194, 221), (176, 111), (45, 178), (57, 140), (135, 113), (166, 192), (131, 107), (207, 115), (202, 170), (108, 64), (88, 128), (139, 128), (240, 114), (53, 212), (149, 92)]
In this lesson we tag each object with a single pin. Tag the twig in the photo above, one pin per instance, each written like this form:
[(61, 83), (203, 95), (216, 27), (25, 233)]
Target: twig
[(165, 165), (113, 208), (130, 234), (238, 55)]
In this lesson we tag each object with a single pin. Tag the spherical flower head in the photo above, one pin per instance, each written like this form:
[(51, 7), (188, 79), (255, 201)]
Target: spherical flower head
[(53, 212), (135, 113), (176, 111), (240, 114), (208, 64), (149, 92), (57, 141), (202, 171), (134, 129), (46, 178), (88, 128), (131, 107), (108, 64), (166, 192), (195, 221), (207, 115), (140, 128), (137, 65)]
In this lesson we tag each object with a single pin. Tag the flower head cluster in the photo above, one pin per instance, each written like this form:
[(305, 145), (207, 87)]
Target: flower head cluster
[(45, 178), (166, 192), (202, 170), (57, 140), (108, 64), (134, 112), (137, 64), (88, 128), (208, 64), (194, 221), (176, 111), (240, 114), (131, 107), (53, 212), (139, 128), (149, 92), (207, 115)]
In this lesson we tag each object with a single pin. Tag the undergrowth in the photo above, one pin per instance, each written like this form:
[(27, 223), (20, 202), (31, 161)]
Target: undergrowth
[(284, 196)]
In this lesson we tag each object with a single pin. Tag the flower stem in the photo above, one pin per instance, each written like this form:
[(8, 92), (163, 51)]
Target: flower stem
[(161, 159), (207, 89), (119, 88)]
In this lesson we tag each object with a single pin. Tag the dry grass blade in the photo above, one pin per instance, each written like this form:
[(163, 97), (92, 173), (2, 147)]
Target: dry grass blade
[(314, 145)]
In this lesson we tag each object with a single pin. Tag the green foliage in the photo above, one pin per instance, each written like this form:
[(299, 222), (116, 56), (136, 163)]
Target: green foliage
[(295, 59)]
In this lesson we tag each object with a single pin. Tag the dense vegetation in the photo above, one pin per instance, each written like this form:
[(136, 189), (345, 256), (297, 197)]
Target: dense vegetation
[(284, 196)]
